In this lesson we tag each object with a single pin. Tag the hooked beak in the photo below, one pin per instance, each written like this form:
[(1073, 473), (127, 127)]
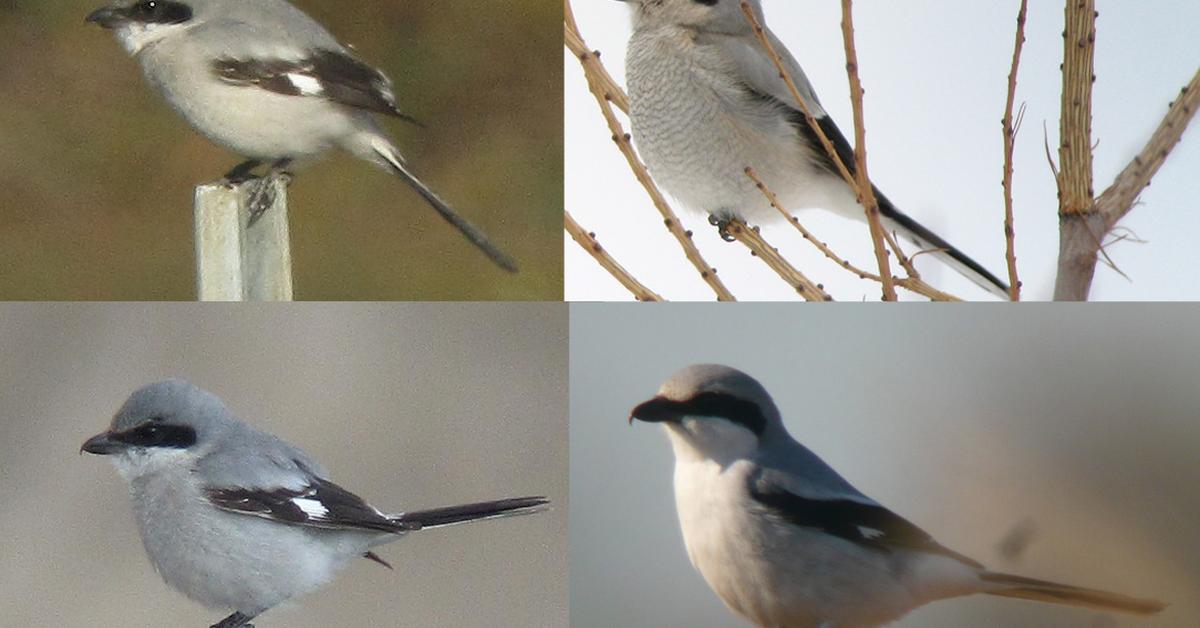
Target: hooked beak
[(657, 410), (102, 444), (106, 17)]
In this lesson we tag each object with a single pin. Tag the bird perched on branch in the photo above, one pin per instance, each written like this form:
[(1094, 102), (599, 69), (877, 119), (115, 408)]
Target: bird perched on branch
[(237, 519), (707, 102), (266, 81), (786, 542)]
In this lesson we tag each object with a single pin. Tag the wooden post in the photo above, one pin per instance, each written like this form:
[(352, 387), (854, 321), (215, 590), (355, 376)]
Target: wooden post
[(235, 262)]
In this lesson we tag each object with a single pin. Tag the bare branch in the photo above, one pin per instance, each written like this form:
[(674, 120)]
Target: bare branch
[(1010, 138), (588, 241), (1085, 223), (770, 255), (866, 192), (914, 283)]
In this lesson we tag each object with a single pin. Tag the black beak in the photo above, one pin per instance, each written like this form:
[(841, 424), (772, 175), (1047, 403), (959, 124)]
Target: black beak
[(106, 17), (657, 410), (102, 444)]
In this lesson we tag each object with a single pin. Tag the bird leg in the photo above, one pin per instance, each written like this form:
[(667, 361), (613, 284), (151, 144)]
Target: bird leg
[(262, 196), (241, 173), (236, 620), (722, 225)]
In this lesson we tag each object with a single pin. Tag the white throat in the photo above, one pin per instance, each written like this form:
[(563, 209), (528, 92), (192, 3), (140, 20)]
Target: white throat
[(711, 438), (136, 36), (138, 462)]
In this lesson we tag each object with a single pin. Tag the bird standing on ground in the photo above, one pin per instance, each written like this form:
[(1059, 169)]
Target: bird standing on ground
[(263, 79), (235, 518), (785, 542), (707, 101)]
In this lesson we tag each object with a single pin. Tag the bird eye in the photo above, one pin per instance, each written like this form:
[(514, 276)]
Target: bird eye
[(160, 12), (150, 434), (149, 7)]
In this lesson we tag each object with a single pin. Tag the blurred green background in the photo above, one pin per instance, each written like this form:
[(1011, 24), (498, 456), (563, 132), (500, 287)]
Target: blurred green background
[(97, 172)]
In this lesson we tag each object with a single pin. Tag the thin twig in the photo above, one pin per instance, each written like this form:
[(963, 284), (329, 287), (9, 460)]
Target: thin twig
[(1120, 197), (808, 235), (606, 92), (866, 192), (760, 33), (915, 284), (1010, 138), (771, 257), (588, 241)]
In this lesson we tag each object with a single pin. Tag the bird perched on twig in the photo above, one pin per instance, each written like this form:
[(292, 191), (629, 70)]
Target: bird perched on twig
[(707, 101)]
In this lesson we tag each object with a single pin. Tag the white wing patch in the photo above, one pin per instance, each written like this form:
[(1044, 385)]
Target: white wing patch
[(308, 85), (311, 507), (870, 533)]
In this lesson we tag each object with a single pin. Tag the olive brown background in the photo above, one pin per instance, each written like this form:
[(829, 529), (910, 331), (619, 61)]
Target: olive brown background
[(97, 171)]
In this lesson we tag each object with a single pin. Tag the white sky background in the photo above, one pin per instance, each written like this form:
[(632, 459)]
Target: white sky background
[(1081, 419), (935, 74)]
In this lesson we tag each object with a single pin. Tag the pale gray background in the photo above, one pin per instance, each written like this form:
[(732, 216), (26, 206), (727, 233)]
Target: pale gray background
[(965, 420), (935, 74), (411, 406)]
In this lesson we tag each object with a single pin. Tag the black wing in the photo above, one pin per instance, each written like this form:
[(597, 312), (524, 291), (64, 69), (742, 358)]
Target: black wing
[(329, 74), (321, 504), (869, 525)]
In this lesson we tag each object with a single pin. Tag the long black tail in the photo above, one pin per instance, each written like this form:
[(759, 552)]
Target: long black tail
[(900, 222), (470, 231), (893, 218), (451, 515)]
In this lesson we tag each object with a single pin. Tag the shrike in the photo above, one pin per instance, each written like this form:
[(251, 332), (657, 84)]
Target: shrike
[(785, 542), (266, 81), (237, 519), (707, 102)]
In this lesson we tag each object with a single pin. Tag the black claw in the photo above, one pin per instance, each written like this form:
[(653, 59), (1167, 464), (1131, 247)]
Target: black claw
[(263, 195), (722, 225)]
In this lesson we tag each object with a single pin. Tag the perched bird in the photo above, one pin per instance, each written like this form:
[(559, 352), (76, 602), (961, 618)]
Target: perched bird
[(785, 542), (237, 519), (266, 81), (707, 101)]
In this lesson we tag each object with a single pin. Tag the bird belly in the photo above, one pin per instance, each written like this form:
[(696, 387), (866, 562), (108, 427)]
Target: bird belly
[(232, 561), (773, 573), (698, 131)]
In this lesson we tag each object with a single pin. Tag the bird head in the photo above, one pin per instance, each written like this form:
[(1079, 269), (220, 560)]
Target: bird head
[(159, 425), (139, 23), (709, 16), (712, 411)]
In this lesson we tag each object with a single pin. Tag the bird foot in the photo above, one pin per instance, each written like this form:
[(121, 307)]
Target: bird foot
[(236, 620), (262, 196), (722, 225), (241, 173)]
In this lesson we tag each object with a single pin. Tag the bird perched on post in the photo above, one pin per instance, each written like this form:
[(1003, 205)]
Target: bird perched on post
[(263, 79), (786, 542), (237, 519), (707, 101)]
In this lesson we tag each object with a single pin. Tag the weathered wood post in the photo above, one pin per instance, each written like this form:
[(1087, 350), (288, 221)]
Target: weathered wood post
[(236, 261)]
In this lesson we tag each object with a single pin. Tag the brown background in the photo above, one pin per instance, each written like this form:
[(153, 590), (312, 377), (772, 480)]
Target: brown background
[(96, 171)]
